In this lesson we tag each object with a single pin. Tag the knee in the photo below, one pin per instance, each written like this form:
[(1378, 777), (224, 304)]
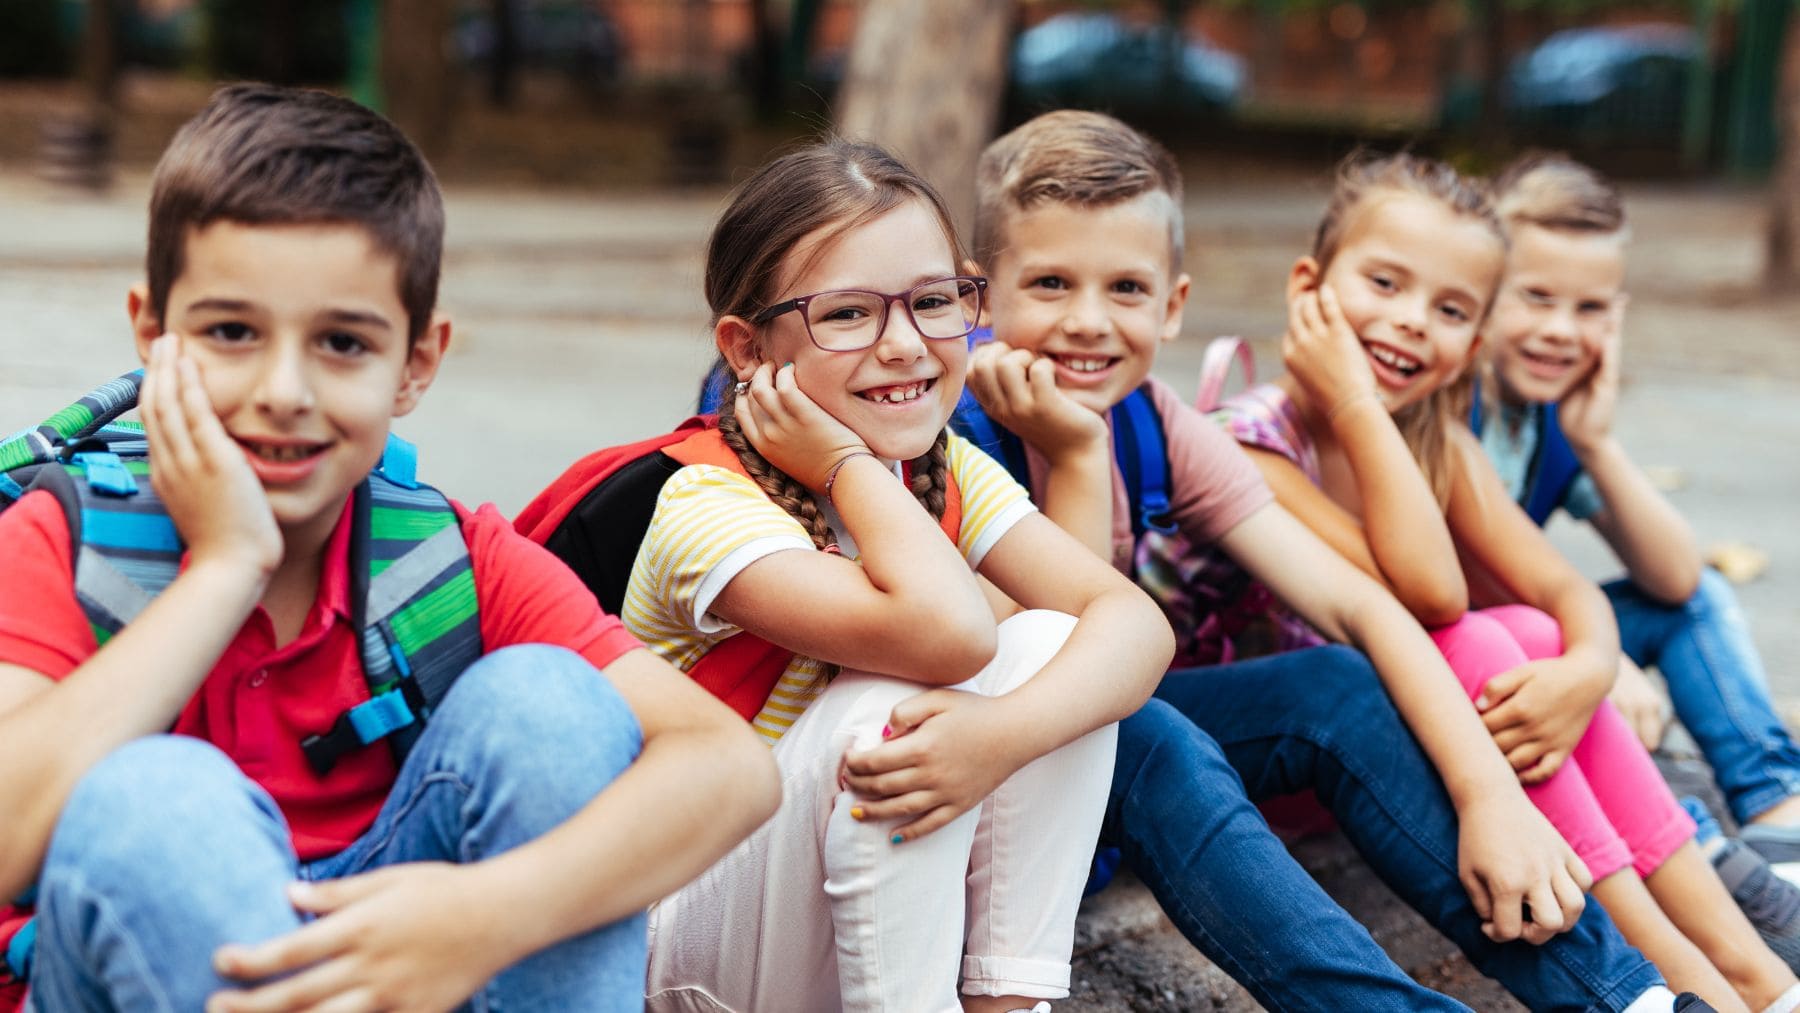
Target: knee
[(536, 707), (1478, 647), (1025, 643), (145, 805), (1161, 752), (1713, 597)]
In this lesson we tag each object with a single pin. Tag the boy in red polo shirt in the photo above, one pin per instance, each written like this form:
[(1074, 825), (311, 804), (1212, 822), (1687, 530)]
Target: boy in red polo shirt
[(287, 318)]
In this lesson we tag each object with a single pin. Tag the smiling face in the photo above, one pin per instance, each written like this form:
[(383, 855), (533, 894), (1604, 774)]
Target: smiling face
[(1562, 296), (898, 393), (301, 340), (1091, 289), (1414, 278)]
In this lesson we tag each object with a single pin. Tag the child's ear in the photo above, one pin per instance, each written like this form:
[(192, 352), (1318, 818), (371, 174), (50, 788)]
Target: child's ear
[(145, 326), (736, 339), (423, 358), (1178, 297), (1304, 277)]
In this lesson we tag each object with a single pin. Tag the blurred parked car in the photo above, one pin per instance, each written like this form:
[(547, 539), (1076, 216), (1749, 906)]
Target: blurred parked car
[(1100, 61), (575, 37), (1590, 88), (1606, 85)]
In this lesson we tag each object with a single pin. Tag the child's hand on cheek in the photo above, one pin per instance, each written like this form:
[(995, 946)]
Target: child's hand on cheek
[(1586, 412), (790, 430), (1322, 352), (215, 499), (1017, 389)]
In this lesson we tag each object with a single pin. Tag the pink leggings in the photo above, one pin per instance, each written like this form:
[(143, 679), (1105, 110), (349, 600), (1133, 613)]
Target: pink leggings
[(1608, 800)]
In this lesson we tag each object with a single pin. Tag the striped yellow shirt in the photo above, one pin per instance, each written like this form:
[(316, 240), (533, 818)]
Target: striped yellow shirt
[(712, 523)]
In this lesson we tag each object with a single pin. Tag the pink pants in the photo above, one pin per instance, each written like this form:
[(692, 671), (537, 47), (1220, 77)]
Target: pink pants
[(1608, 800)]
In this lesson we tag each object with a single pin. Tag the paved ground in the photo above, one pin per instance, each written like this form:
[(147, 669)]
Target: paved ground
[(580, 323)]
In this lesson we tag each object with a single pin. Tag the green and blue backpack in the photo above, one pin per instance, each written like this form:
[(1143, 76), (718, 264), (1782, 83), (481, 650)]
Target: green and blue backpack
[(413, 587)]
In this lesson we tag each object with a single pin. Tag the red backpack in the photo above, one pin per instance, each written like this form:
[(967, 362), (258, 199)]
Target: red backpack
[(594, 516)]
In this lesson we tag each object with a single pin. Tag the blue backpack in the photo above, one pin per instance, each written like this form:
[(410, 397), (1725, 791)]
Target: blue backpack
[(413, 587), (1553, 468)]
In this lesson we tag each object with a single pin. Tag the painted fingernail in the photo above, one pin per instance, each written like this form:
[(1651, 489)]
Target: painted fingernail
[(856, 812), (896, 839), (886, 731)]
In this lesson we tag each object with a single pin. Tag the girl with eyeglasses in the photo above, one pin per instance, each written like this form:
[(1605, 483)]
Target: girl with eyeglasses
[(944, 772)]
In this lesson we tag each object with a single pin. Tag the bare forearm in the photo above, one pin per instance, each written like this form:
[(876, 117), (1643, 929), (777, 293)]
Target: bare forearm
[(134, 686), (1402, 518), (689, 798), (1651, 537), (1078, 496), (901, 548)]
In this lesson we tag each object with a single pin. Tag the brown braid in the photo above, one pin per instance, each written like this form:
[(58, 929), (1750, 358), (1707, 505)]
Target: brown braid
[(930, 476), (776, 484)]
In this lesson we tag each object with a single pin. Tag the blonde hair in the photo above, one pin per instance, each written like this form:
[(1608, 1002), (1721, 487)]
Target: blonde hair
[(1362, 177), (834, 183), (1071, 157), (1553, 191)]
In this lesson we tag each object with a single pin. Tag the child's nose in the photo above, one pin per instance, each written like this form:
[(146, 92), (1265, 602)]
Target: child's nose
[(283, 386), (1086, 317), (900, 341)]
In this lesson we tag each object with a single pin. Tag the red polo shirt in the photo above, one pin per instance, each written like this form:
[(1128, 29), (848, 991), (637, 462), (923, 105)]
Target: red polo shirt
[(260, 700)]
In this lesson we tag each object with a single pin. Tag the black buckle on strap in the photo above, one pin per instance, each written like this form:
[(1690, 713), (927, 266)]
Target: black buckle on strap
[(324, 751)]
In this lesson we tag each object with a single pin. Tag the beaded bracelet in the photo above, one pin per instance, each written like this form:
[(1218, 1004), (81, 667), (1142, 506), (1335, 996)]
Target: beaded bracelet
[(831, 476)]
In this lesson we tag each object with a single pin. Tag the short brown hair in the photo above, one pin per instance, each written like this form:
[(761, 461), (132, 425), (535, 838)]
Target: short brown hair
[(1071, 157), (1553, 191), (263, 155)]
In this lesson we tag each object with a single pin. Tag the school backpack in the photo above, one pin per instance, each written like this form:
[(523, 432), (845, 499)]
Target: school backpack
[(1553, 468), (595, 515), (412, 593)]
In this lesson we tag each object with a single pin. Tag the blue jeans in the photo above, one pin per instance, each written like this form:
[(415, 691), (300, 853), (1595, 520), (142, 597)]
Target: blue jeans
[(1706, 655), (165, 850), (1213, 739)]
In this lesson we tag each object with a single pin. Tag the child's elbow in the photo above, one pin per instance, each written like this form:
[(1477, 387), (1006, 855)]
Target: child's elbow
[(966, 648), (1433, 611)]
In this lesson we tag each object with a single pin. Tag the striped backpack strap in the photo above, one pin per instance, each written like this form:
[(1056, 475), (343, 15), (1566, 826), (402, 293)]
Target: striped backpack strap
[(413, 590)]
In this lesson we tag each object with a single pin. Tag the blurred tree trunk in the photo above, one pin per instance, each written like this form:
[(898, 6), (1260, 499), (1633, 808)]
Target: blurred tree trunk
[(503, 69), (924, 81), (1782, 267), (764, 69), (415, 70), (1492, 135), (281, 41)]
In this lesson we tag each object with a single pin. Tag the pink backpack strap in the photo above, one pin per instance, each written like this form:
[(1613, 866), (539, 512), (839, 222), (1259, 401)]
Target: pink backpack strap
[(1215, 369)]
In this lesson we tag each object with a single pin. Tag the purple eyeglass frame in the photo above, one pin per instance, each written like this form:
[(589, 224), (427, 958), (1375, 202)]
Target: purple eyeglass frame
[(887, 300)]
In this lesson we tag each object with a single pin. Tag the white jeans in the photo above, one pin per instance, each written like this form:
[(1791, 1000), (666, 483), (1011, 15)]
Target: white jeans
[(817, 911)]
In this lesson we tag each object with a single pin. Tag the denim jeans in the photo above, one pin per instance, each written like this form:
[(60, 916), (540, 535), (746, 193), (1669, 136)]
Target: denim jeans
[(1213, 739), (165, 850), (1706, 655)]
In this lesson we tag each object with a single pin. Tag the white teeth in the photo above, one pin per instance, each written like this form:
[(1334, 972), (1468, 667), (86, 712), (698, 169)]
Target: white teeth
[(1085, 365), (1388, 357), (896, 395)]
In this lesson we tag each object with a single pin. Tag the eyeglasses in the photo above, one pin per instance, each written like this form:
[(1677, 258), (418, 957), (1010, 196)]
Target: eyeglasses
[(851, 319)]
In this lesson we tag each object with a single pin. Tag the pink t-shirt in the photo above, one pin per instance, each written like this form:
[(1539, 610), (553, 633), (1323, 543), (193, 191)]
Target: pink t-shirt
[(1212, 484)]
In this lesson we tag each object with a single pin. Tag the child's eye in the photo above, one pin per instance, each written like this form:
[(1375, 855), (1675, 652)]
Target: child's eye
[(1538, 297), (1454, 312), (1050, 281), (229, 333), (341, 343), (1129, 287), (1383, 282), (1591, 307)]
